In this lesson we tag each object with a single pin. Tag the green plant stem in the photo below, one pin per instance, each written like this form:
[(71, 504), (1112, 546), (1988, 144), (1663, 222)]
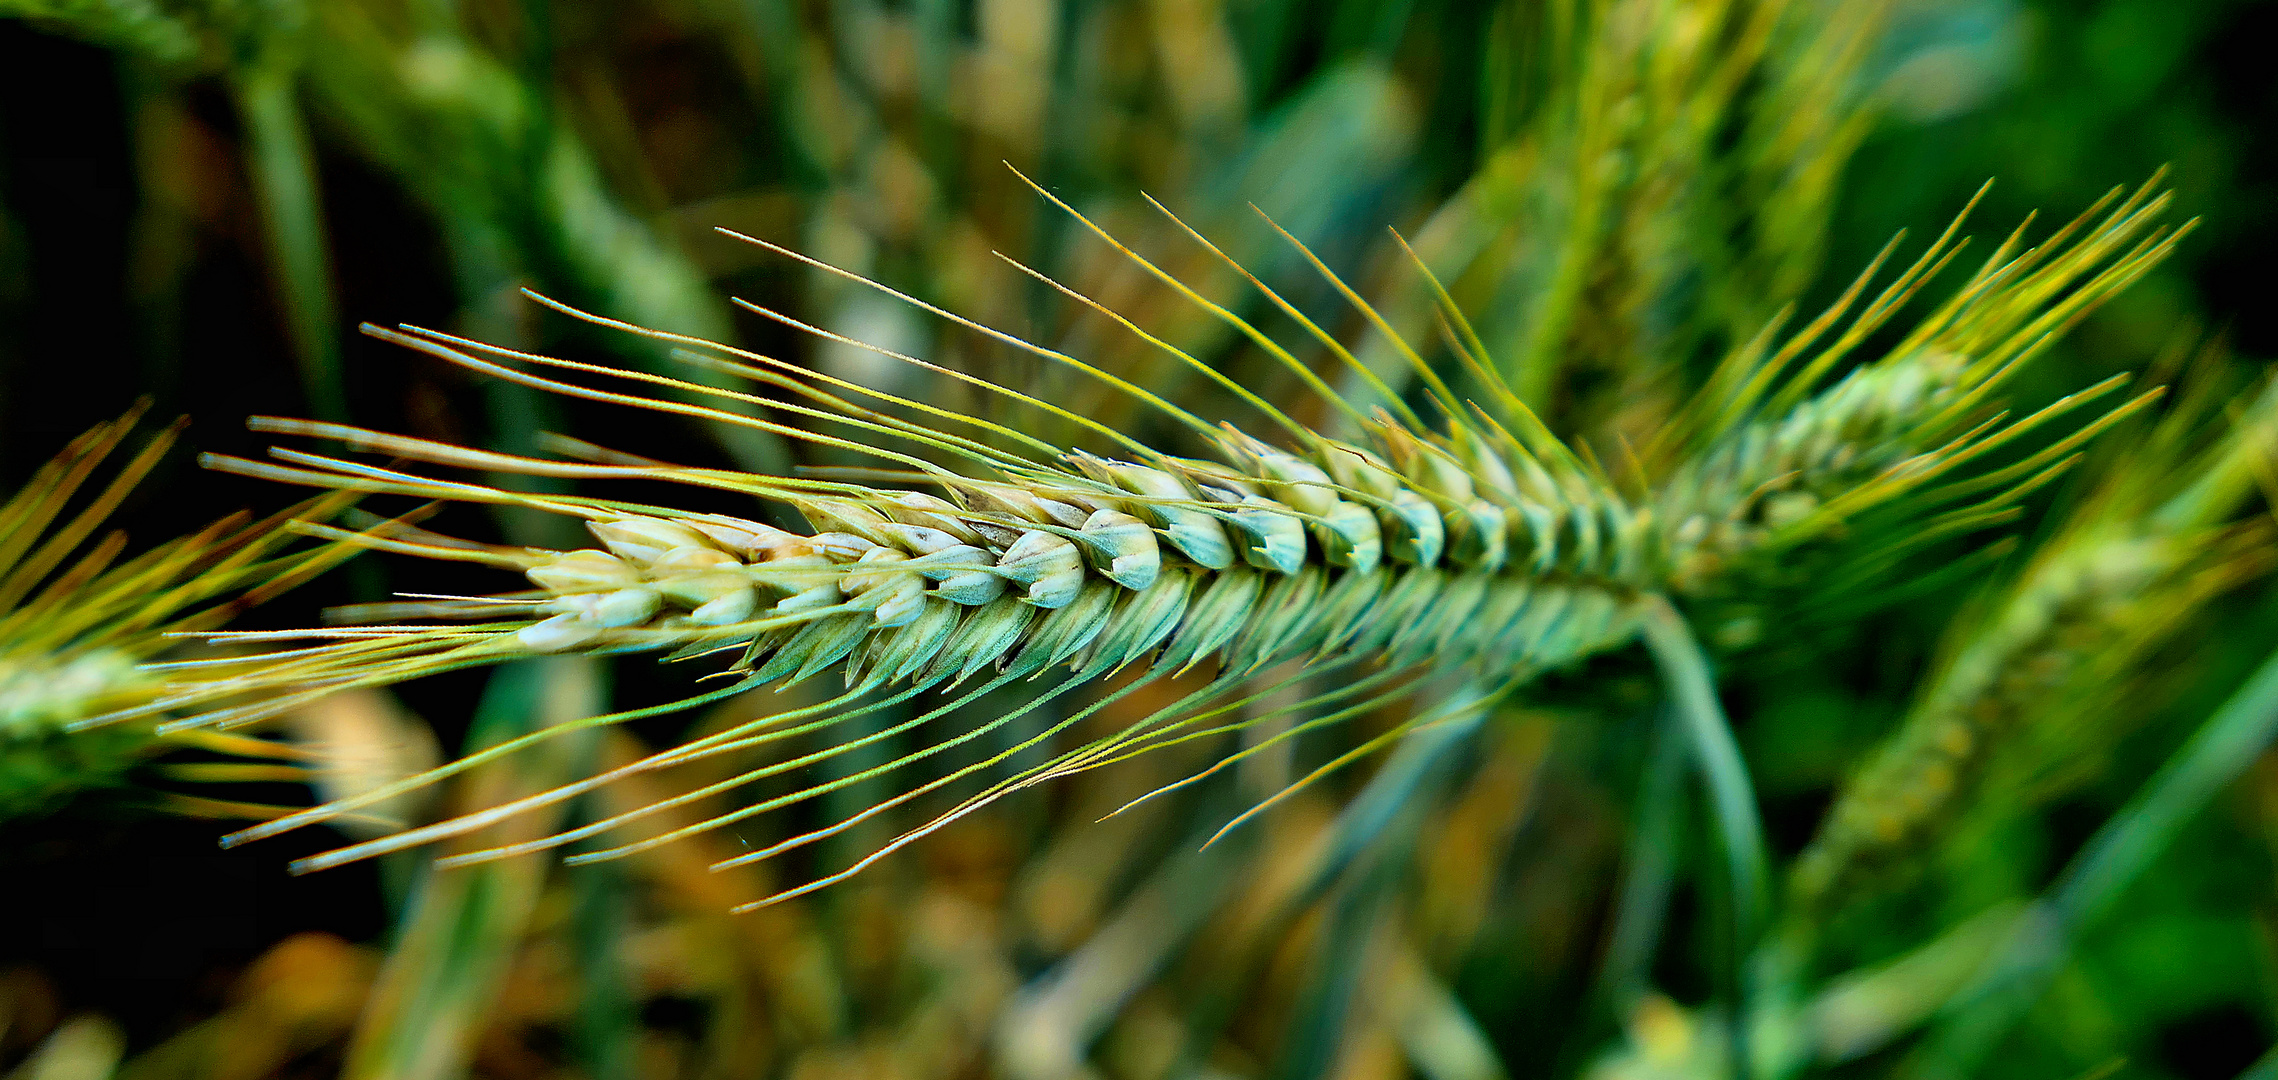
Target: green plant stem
[(458, 936), (283, 168), (1974, 1022), (1740, 829), (1643, 902), (606, 1036), (1391, 813), (1386, 807)]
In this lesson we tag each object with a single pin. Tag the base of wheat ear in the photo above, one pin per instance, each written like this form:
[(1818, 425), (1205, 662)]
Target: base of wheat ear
[(1478, 547)]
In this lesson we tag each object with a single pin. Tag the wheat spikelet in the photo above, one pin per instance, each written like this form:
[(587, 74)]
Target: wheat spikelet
[(78, 627), (1480, 548)]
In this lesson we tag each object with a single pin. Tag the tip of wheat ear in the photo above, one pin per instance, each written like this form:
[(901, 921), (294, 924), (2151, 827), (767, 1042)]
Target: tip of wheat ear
[(1399, 551)]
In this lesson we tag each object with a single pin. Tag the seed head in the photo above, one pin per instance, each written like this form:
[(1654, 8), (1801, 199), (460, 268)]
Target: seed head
[(1481, 548), (77, 627)]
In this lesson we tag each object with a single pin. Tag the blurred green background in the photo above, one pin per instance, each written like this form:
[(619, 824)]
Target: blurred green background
[(198, 201)]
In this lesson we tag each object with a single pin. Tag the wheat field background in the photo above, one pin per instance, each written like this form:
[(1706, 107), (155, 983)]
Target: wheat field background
[(1587, 642)]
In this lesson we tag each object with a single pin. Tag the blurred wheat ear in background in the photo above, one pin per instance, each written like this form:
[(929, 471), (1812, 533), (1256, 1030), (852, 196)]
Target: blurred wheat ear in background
[(86, 631)]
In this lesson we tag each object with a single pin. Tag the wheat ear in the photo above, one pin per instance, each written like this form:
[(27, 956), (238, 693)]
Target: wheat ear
[(1482, 547), (82, 631), (2035, 666)]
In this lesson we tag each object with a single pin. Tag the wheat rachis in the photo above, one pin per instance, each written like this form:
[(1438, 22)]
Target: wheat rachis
[(1482, 548)]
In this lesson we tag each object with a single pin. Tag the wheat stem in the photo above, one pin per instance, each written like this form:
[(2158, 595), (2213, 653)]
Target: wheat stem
[(1739, 826)]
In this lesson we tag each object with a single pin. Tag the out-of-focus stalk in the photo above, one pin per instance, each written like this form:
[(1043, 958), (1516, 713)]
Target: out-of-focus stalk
[(285, 182), (464, 925)]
